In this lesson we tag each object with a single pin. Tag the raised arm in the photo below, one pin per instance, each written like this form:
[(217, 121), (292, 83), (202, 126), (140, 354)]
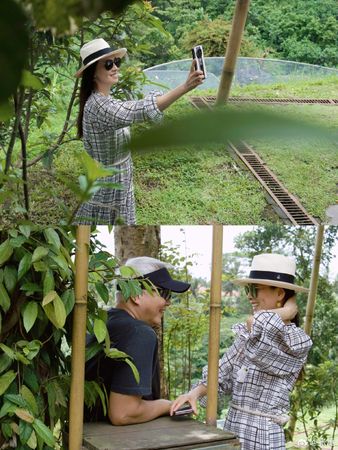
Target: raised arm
[(195, 78)]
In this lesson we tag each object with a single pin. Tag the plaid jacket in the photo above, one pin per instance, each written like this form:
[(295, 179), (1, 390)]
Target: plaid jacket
[(259, 371), (105, 134)]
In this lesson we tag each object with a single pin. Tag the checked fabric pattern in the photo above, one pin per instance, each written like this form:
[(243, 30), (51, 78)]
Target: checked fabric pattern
[(106, 124), (273, 355)]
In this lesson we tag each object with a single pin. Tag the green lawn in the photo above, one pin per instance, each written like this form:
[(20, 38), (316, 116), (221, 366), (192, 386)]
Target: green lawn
[(194, 185)]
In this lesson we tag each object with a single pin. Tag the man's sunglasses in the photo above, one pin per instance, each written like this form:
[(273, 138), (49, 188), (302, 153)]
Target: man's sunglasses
[(164, 293), (251, 289), (108, 64)]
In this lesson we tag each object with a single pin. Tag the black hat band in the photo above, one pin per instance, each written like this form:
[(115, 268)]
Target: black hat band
[(273, 276), (97, 54)]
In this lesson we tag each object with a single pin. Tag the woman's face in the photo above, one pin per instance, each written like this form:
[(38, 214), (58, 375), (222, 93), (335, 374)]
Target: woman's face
[(266, 297), (103, 76)]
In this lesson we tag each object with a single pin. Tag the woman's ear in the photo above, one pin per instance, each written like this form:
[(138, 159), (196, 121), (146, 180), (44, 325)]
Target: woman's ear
[(280, 294)]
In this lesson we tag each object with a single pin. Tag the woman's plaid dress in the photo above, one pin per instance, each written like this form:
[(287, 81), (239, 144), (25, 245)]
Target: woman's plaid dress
[(105, 132), (259, 371)]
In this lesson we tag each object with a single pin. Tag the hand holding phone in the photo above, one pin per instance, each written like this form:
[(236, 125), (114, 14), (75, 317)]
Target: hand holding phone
[(183, 411), (198, 56)]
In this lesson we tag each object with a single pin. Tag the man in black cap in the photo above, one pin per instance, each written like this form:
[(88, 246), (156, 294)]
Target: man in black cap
[(130, 325)]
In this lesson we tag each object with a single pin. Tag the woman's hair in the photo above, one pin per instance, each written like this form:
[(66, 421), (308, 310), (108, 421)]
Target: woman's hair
[(87, 87), (288, 294)]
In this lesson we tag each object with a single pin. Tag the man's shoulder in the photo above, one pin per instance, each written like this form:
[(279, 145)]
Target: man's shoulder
[(118, 318)]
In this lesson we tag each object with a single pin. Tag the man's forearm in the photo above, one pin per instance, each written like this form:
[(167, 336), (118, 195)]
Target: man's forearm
[(144, 411)]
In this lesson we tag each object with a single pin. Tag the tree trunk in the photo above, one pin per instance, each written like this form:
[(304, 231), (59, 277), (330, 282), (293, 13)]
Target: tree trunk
[(133, 241)]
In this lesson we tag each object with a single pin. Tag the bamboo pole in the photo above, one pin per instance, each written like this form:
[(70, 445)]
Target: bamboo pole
[(232, 51), (309, 313), (79, 338), (314, 280), (214, 323)]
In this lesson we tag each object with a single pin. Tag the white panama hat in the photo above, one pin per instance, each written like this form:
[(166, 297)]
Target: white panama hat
[(97, 49), (272, 269)]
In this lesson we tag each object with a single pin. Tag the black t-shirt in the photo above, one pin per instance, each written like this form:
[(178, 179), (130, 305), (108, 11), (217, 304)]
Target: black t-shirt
[(139, 341)]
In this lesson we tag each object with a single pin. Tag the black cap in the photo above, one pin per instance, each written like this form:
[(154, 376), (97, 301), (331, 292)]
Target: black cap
[(161, 278)]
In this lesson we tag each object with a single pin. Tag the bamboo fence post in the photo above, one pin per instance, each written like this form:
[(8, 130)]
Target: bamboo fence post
[(79, 338), (309, 311), (232, 50), (314, 280), (214, 323)]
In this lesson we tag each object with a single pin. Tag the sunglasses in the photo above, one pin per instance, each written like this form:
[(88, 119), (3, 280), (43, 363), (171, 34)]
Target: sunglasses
[(252, 290), (110, 62), (164, 293)]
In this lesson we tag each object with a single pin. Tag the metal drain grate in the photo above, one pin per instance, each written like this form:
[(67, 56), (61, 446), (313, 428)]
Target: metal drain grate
[(209, 101), (288, 205)]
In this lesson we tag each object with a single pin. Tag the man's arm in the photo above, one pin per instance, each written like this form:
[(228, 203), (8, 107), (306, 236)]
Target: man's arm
[(128, 409)]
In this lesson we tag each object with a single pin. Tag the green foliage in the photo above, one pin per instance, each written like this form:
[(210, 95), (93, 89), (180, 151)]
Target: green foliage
[(214, 36), (182, 338), (36, 306), (313, 395), (305, 30), (222, 124), (13, 51)]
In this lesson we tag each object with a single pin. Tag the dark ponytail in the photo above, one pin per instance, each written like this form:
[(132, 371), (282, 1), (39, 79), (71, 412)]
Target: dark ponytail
[(87, 87), (288, 294)]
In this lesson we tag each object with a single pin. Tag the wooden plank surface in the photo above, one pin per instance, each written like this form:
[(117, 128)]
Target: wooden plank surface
[(162, 433)]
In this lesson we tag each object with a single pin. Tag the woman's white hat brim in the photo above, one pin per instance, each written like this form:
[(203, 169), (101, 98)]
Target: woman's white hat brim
[(282, 284), (119, 53)]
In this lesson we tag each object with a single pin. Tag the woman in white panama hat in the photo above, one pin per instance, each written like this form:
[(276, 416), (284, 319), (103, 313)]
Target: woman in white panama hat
[(103, 122), (268, 353)]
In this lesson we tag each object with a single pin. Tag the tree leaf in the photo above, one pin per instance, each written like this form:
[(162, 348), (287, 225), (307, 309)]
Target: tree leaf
[(48, 282), (100, 330), (6, 111), (13, 32), (32, 441), (39, 253), (134, 369), (10, 278), (5, 301), (68, 299), (30, 80), (25, 415), (25, 230), (54, 309), (127, 272), (102, 291), (44, 432), (7, 350), (6, 380), (61, 262), (30, 314), (49, 298), (6, 251), (60, 312), (29, 397), (24, 265), (228, 124), (25, 431), (5, 362), (52, 238)]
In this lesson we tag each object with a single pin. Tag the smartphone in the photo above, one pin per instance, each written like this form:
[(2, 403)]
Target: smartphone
[(183, 411), (197, 54)]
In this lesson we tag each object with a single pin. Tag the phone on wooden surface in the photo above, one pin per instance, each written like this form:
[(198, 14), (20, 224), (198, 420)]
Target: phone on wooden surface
[(198, 56)]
